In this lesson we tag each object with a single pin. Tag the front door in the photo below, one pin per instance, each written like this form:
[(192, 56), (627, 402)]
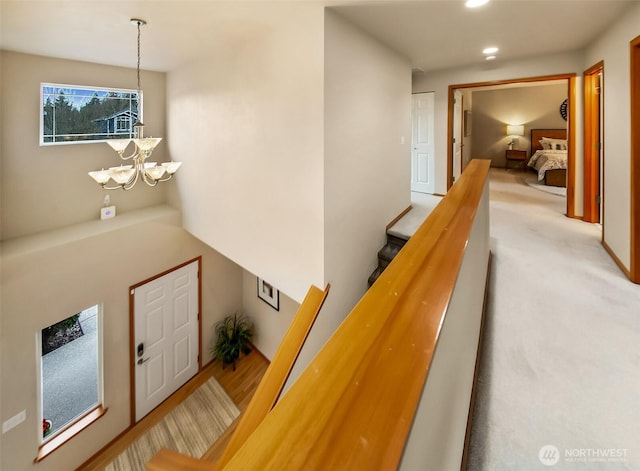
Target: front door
[(422, 148), (166, 336)]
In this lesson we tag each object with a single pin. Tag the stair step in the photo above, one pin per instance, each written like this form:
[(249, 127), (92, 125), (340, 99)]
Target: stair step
[(396, 239), (374, 276), (388, 252)]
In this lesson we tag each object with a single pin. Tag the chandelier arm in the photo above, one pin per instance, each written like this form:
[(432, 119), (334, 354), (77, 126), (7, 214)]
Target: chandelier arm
[(149, 180), (132, 156), (104, 185)]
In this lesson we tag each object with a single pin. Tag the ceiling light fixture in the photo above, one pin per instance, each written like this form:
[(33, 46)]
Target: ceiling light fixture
[(490, 50), (126, 176), (475, 3), (490, 58)]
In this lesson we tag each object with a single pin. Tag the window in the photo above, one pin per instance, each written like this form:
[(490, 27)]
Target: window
[(73, 113), (71, 374)]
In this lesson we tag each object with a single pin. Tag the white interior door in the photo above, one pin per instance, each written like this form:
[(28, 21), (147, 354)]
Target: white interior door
[(422, 147), (166, 336), (457, 134)]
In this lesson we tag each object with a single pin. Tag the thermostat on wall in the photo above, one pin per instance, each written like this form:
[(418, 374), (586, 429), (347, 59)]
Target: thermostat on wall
[(107, 212)]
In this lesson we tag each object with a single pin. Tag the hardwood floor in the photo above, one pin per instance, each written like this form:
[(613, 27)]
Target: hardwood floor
[(240, 385)]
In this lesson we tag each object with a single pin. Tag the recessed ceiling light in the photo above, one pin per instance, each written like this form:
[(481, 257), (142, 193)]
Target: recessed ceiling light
[(490, 50), (475, 3), (490, 58)]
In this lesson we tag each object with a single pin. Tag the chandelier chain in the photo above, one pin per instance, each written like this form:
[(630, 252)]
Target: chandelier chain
[(138, 59)]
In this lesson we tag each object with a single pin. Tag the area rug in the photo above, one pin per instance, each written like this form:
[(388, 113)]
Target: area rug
[(190, 429), (533, 182)]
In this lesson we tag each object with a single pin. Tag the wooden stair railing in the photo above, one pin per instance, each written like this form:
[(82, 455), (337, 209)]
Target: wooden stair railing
[(266, 395), (354, 405)]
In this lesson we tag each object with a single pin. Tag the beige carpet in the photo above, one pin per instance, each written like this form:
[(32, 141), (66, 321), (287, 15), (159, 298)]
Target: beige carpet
[(559, 383), (191, 428)]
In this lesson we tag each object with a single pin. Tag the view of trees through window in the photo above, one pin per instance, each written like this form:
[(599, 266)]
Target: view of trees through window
[(76, 113)]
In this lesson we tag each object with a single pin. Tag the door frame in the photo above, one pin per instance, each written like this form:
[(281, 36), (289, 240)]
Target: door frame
[(571, 94), (634, 71), (132, 346), (593, 116), (431, 169)]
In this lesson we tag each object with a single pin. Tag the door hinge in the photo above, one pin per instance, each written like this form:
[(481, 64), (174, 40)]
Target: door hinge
[(453, 180), (597, 199)]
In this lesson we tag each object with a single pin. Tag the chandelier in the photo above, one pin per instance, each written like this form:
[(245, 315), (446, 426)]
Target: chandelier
[(126, 176)]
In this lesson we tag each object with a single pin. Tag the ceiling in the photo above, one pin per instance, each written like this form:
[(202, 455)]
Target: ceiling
[(433, 34)]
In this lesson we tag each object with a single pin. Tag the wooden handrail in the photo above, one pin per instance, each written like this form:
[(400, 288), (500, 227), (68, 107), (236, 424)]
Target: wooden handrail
[(266, 395), (274, 379), (353, 406)]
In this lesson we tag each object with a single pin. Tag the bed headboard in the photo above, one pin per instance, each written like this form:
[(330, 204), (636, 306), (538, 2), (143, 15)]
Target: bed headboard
[(537, 134)]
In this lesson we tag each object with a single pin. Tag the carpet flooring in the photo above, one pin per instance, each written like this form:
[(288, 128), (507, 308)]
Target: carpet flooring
[(191, 428), (559, 379)]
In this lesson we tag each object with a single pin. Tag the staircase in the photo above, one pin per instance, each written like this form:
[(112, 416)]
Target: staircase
[(387, 253)]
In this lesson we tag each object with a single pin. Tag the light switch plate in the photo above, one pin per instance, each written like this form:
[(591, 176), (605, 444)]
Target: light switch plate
[(107, 212)]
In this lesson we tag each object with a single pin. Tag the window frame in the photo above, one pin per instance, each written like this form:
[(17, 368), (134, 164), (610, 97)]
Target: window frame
[(115, 134), (49, 444)]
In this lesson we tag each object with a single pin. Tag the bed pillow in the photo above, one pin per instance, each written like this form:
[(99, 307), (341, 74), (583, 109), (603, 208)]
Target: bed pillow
[(553, 144), (546, 145)]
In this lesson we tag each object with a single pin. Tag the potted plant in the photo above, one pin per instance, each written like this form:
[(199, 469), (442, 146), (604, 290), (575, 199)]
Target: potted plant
[(233, 336)]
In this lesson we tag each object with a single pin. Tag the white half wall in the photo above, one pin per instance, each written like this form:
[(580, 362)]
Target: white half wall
[(613, 48)]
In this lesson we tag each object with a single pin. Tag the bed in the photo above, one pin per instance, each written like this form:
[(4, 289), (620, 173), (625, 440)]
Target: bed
[(549, 156)]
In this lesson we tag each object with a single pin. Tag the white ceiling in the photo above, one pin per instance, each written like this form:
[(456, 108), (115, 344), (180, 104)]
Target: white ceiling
[(433, 34)]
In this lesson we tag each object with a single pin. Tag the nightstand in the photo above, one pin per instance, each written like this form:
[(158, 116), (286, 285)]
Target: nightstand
[(517, 155)]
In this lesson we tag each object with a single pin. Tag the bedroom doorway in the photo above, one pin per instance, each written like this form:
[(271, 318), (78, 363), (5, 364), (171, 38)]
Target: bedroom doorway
[(593, 145), (571, 84)]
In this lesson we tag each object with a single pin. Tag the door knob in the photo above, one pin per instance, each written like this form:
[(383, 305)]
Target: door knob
[(141, 361)]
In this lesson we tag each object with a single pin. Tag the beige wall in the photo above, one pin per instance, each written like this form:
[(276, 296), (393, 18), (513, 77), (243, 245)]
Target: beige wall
[(270, 325), (48, 278), (47, 187), (534, 107), (367, 100), (248, 125), (613, 48)]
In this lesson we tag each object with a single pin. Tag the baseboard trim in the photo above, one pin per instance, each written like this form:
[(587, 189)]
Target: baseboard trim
[(472, 402), (398, 217), (615, 258)]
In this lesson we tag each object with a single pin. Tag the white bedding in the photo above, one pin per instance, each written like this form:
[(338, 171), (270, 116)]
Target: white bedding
[(544, 160)]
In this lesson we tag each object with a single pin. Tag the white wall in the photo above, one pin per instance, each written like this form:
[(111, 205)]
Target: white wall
[(367, 165), (496, 70), (60, 192), (613, 48), (50, 277), (248, 125), (269, 325)]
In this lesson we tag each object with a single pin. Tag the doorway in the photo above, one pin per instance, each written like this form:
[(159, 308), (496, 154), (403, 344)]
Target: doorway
[(593, 145), (571, 88), (422, 144), (165, 335)]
